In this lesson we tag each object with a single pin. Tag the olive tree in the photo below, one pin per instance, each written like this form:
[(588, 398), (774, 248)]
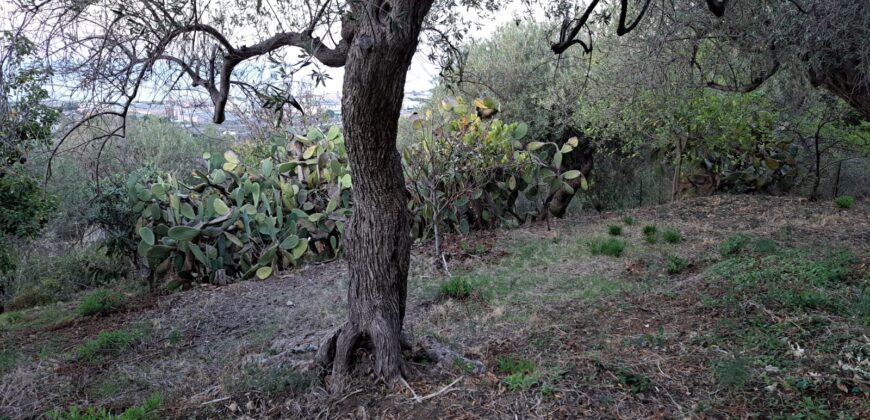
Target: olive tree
[(108, 53)]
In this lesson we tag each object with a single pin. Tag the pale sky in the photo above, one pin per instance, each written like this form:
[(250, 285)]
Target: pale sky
[(422, 75)]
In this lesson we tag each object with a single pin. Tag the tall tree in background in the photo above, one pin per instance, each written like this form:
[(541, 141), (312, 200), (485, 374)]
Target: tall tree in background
[(108, 53)]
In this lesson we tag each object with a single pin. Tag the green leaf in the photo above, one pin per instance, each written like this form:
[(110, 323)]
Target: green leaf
[(521, 131), (333, 133), (566, 148), (220, 207), (571, 174), (287, 167), (147, 235), (300, 249), (264, 272), (143, 248), (159, 191), (183, 233), (309, 152), (231, 156), (535, 145), (289, 242), (157, 254), (198, 254), (266, 166), (187, 211), (557, 160), (218, 176), (584, 184)]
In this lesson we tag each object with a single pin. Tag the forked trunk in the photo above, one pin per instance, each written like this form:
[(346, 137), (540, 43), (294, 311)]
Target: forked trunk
[(378, 236)]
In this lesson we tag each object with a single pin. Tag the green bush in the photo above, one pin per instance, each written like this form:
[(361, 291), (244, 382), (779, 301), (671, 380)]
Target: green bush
[(40, 292), (845, 201), (147, 410), (24, 205), (101, 302), (522, 373), (40, 279), (637, 382), (614, 230), (733, 244), (628, 220), (676, 264), (612, 247), (457, 287), (107, 343), (650, 233), (672, 236)]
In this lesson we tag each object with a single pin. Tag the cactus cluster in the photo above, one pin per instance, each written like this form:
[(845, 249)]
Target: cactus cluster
[(243, 220), (467, 170)]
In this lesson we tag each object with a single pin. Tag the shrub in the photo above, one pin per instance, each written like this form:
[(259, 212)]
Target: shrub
[(107, 343), (147, 410), (676, 264), (614, 230), (672, 236), (650, 233), (101, 302), (628, 220), (733, 244), (41, 279), (845, 201), (522, 373), (638, 382), (612, 247), (457, 287)]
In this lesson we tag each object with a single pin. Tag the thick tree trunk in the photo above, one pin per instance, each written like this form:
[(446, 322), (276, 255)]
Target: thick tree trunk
[(378, 235), (678, 172)]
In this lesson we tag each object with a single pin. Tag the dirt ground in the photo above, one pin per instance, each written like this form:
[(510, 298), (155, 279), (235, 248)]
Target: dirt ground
[(595, 336)]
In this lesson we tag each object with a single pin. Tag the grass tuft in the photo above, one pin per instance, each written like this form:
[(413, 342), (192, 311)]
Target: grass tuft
[(457, 287), (107, 343), (611, 247), (845, 201), (734, 244), (650, 233), (101, 302), (147, 410), (614, 230), (675, 264), (672, 236), (629, 221)]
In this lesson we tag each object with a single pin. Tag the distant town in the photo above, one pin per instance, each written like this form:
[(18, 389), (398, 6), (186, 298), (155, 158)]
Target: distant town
[(196, 115)]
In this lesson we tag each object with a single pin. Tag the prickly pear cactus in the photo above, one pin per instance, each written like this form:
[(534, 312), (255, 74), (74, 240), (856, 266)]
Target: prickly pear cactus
[(241, 220)]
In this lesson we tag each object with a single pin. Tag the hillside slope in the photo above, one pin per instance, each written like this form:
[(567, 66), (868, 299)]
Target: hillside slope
[(734, 306)]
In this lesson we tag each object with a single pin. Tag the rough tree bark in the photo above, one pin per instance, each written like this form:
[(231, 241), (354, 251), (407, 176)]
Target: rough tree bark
[(378, 235)]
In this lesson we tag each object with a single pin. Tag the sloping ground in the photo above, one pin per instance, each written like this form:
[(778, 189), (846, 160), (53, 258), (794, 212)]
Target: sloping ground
[(771, 322)]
